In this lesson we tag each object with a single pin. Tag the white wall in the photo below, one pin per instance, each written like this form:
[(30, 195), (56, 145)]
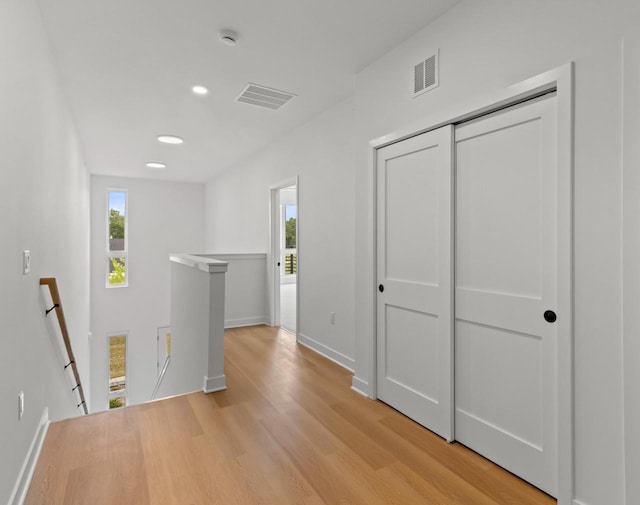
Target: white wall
[(197, 328), (163, 218), (237, 220), (486, 45), (245, 297), (44, 207), (631, 265)]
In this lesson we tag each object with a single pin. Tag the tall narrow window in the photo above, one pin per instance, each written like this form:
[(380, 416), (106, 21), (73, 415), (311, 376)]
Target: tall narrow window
[(289, 251), (117, 370), (116, 238)]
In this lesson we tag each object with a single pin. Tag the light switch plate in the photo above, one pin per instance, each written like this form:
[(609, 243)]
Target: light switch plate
[(20, 404), (26, 262)]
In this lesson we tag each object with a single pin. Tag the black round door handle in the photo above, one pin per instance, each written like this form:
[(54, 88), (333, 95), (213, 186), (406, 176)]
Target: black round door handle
[(550, 316), (381, 288)]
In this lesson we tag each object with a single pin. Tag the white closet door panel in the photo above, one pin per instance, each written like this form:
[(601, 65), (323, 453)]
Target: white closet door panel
[(526, 460), (485, 356), (411, 190), (414, 296), (506, 278), (414, 264), (487, 213), (416, 372), (500, 310)]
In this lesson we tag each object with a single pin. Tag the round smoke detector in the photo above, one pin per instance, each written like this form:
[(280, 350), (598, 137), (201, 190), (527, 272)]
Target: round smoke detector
[(228, 37)]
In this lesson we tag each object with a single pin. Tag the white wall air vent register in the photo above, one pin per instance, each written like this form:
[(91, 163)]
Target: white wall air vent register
[(255, 94), (425, 75)]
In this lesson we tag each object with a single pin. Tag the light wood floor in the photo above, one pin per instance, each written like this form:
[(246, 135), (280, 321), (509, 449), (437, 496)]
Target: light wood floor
[(287, 431)]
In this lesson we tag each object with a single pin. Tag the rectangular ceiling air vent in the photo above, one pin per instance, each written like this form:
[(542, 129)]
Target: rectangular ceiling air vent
[(262, 96), (425, 75)]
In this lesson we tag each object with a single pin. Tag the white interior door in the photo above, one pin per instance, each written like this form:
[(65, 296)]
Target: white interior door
[(506, 280), (415, 274)]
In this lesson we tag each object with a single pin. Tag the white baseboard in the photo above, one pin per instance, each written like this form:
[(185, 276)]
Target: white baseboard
[(213, 384), (28, 467), (360, 386), (244, 321), (577, 502), (327, 352)]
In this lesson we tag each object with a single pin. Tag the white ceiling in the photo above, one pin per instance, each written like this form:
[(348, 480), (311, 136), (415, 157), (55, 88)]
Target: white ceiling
[(127, 67)]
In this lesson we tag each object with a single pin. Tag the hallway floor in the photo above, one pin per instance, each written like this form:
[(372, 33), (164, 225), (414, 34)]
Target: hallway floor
[(288, 430)]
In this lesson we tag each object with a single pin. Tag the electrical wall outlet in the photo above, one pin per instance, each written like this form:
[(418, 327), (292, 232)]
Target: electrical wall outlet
[(26, 262), (332, 317), (20, 405)]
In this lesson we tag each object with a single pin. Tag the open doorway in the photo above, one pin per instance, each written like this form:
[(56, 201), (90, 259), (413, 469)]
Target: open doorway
[(284, 241)]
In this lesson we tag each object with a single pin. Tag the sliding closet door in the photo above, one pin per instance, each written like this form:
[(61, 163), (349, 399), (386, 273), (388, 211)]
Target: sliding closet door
[(506, 289), (414, 269)]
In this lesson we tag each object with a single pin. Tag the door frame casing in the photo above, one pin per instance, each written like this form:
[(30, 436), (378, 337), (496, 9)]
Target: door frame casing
[(273, 281), (560, 80)]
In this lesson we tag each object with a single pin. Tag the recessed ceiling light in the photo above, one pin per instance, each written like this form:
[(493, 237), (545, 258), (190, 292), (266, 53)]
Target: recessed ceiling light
[(155, 164), (170, 139), (200, 90), (228, 37)]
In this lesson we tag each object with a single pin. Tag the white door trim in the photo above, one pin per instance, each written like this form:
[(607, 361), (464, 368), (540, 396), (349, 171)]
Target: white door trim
[(561, 80), (273, 280)]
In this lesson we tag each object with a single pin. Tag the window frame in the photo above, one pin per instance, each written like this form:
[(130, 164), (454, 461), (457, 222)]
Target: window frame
[(117, 254)]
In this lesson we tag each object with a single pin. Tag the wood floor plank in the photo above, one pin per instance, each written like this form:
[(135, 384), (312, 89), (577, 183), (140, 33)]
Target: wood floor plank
[(285, 479), (348, 433), (99, 484), (315, 468), (404, 477), (288, 431), (324, 441), (478, 471), (383, 490), (418, 452)]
